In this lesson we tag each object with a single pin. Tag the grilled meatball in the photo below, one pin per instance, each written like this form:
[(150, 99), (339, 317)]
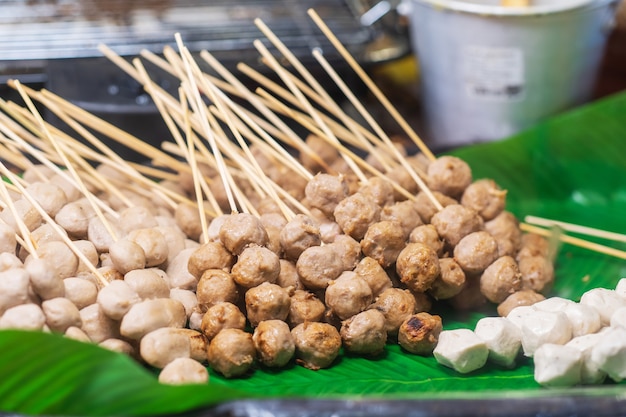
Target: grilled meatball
[(317, 344), (501, 279), (274, 343), (364, 333), (450, 282), (231, 352), (256, 265), (355, 214), (519, 298), (403, 178), (242, 230), (419, 333), (403, 213), (317, 266), (211, 255), (348, 250), (216, 286), (485, 197), (188, 220), (383, 241), (376, 277), (378, 190), (427, 235), (348, 295), (418, 266), (396, 305), (455, 222), (325, 191), (505, 229), (425, 207), (299, 234), (537, 274), (305, 307), (449, 175), (267, 302), (288, 276), (531, 245), (475, 252), (221, 316)]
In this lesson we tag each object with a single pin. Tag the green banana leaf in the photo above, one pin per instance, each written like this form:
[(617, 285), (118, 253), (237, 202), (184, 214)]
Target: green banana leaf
[(571, 168)]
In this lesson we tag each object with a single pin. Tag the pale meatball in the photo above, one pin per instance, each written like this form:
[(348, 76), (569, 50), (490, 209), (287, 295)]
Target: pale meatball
[(379, 190), (325, 191), (231, 352), (59, 257), (50, 196), (485, 197), (449, 175), (317, 266), (267, 302), (242, 230), (364, 333), (384, 241), (355, 214), (348, 249), (153, 243), (475, 252), (305, 307), (404, 179), (74, 217), (317, 344), (455, 222), (216, 286), (348, 295), (188, 220), (127, 255), (136, 217), (299, 234), (533, 245), (274, 343), (537, 274), (256, 265), (396, 305), (288, 276), (418, 267), (501, 279)]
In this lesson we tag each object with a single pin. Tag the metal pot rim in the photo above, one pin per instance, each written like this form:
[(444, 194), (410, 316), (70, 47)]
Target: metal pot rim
[(552, 6)]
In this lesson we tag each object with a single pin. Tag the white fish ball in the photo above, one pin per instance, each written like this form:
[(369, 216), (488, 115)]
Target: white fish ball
[(461, 350), (557, 365)]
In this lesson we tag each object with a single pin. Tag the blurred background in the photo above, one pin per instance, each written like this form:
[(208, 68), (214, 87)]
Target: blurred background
[(461, 72)]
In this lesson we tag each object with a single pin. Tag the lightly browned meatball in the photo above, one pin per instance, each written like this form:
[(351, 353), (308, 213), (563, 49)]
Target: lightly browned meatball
[(216, 286), (317, 344), (211, 255), (325, 191), (364, 333), (317, 266), (348, 250), (288, 276), (231, 352), (376, 277), (403, 213), (348, 295), (305, 307), (455, 222), (427, 234), (505, 229), (449, 175), (475, 252), (274, 343), (267, 302), (500, 279), (485, 197), (384, 241), (418, 267), (355, 214), (426, 209), (519, 298), (532, 244), (379, 190), (240, 230), (450, 282), (256, 265), (324, 151), (299, 234), (419, 333), (396, 305), (537, 273), (222, 316)]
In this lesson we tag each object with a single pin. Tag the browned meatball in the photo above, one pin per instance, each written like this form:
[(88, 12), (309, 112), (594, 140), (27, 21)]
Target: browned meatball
[(418, 266), (364, 333), (317, 344), (288, 276), (403, 213), (322, 149), (212, 255), (427, 234), (384, 241), (449, 175), (376, 277), (231, 352), (274, 343), (425, 207), (188, 220), (475, 252), (485, 197), (216, 286), (505, 229), (531, 245), (378, 190), (355, 214), (450, 282), (455, 222), (537, 274), (501, 279), (222, 316), (419, 333), (256, 265), (305, 307), (404, 179), (396, 304), (300, 233), (348, 250), (267, 302), (317, 266), (241, 230), (325, 191), (519, 298), (348, 295)]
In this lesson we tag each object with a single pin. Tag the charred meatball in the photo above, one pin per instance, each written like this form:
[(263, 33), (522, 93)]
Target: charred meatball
[(419, 333), (396, 305)]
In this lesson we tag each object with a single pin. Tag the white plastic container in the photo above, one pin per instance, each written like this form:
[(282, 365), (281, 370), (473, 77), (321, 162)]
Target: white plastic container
[(489, 71)]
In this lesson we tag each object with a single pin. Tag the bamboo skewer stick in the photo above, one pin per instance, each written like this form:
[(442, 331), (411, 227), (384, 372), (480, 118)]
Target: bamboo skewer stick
[(26, 240), (370, 84), (590, 231)]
